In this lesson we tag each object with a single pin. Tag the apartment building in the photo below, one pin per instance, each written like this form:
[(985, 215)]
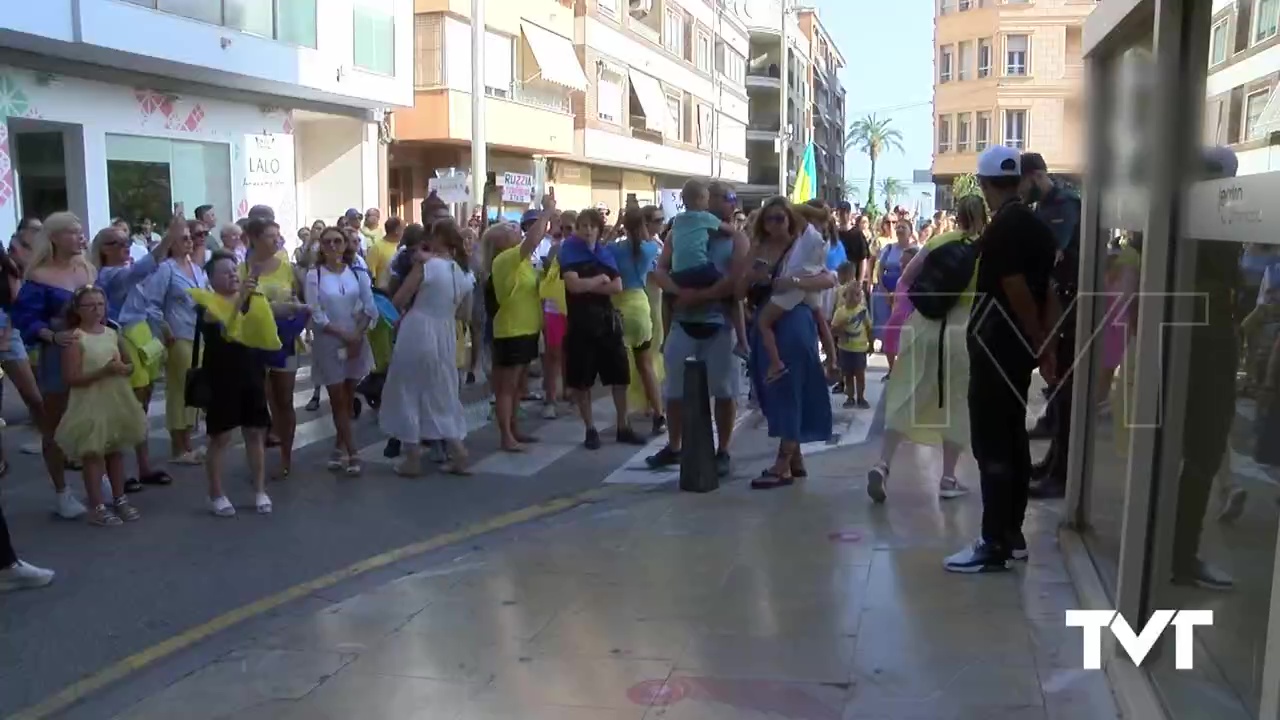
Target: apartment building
[(765, 78), (826, 107), (121, 108), (1242, 109), (598, 99), (1007, 71)]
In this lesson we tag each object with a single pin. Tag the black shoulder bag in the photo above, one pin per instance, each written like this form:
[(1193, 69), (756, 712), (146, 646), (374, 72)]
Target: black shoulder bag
[(198, 391)]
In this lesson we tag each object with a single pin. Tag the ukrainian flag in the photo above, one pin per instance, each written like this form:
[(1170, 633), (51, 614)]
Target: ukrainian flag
[(806, 187)]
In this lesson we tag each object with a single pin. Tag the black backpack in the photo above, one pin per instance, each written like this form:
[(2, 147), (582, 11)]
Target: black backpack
[(945, 273)]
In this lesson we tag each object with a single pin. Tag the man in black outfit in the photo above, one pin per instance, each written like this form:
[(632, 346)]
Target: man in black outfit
[(1009, 336), (856, 246)]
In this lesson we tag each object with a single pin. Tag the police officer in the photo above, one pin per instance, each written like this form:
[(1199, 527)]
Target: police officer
[(1059, 208)]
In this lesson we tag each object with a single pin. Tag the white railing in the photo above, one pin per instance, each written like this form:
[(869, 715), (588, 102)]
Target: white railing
[(547, 97)]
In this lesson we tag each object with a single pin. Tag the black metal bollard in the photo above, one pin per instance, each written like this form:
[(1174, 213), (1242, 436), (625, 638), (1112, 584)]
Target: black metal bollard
[(698, 449)]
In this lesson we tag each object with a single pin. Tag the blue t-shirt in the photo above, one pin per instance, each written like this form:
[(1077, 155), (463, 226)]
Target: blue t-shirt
[(690, 234), (634, 269)]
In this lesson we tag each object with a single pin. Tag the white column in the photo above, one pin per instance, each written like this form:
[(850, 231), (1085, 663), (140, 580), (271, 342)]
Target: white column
[(479, 149), (782, 102)]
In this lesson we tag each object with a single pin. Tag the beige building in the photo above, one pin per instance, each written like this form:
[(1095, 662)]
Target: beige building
[(1007, 71), (619, 97)]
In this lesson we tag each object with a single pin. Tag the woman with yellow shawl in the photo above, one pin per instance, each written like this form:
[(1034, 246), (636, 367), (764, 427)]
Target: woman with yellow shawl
[(238, 329), (636, 256)]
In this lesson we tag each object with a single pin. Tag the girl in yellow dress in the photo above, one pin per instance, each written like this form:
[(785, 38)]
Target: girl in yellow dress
[(102, 418)]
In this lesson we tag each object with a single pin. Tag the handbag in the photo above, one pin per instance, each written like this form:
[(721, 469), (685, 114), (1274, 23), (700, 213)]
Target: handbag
[(198, 389)]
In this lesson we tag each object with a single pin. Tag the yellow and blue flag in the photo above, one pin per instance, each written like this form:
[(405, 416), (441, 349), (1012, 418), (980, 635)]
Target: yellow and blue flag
[(806, 187)]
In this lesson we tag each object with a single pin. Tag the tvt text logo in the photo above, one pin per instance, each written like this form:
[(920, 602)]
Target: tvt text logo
[(1139, 644)]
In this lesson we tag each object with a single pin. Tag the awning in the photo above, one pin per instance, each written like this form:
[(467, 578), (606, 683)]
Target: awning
[(556, 57), (652, 99)]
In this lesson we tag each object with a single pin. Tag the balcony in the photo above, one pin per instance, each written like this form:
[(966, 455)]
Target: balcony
[(522, 118), (639, 126), (538, 96), (639, 27)]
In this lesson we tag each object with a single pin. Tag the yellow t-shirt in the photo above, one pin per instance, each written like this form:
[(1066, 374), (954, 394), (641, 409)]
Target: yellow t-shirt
[(515, 284), (852, 327), (278, 285), (379, 257)]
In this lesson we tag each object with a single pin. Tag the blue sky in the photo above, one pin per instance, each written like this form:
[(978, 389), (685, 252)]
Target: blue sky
[(888, 48)]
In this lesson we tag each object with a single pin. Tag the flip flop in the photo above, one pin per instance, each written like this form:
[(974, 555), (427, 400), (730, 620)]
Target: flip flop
[(776, 376), (770, 480), (516, 449), (526, 439), (158, 477)]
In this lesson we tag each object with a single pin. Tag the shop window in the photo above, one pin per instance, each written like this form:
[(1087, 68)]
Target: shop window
[(428, 50), (374, 29), (146, 176)]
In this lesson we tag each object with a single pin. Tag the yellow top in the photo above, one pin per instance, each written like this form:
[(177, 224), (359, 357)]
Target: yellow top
[(971, 290), (373, 235), (277, 285), (379, 255), (255, 328), (852, 327), (515, 284), (552, 287)]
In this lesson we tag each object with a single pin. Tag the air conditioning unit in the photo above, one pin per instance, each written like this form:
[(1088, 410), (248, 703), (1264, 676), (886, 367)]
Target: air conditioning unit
[(640, 8)]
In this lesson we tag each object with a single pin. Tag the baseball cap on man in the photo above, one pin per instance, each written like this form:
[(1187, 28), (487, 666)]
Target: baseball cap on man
[(999, 161), (529, 218), (353, 213)]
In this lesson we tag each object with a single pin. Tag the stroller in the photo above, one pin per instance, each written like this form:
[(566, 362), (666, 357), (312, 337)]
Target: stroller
[(381, 341)]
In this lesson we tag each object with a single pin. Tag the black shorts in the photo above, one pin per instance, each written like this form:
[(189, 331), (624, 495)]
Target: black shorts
[(515, 351), (238, 401), (587, 358)]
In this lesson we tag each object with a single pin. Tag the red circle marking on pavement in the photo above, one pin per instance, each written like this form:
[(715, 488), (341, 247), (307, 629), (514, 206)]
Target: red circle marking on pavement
[(845, 536), (657, 693)]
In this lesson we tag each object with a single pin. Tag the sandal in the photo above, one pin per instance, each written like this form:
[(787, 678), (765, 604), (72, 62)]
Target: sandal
[(336, 460), (262, 503), (132, 485), (188, 458), (222, 507), (159, 477), (126, 511), (354, 468), (102, 516), (776, 376), (770, 480)]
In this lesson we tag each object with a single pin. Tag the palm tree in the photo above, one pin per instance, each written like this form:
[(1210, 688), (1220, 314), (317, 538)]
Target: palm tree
[(873, 136), (963, 185), (892, 189), (850, 190)]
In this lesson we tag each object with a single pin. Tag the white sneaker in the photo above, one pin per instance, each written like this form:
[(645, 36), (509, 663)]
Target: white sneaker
[(549, 412), (950, 488), (31, 448), (222, 507), (69, 507), (21, 575)]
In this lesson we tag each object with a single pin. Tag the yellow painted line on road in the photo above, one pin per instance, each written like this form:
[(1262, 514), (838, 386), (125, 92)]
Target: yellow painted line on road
[(113, 673)]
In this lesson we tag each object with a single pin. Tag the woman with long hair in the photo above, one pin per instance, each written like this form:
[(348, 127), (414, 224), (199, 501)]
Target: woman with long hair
[(56, 268), (421, 396), (795, 403), (342, 309), (636, 255), (917, 407), (889, 269), (171, 309), (124, 282), (277, 282)]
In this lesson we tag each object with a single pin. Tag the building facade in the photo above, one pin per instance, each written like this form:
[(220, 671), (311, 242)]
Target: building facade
[(1010, 72), (122, 109), (1243, 108), (826, 106), (598, 99)]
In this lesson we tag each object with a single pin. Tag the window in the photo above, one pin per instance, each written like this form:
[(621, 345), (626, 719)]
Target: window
[(204, 10), (702, 56), (673, 129), (946, 6), (296, 22), (1213, 117), (375, 42), (1266, 19), (609, 95), (944, 134), (673, 32), (965, 5), (146, 175), (982, 137), (944, 65), (607, 7), (984, 58), (498, 64), (1253, 106), (290, 21), (962, 132), (706, 120), (251, 16), (730, 64), (1219, 44), (428, 50), (1017, 53), (1015, 128), (966, 59)]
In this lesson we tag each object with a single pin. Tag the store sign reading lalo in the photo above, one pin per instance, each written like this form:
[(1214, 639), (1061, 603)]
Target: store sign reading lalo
[(268, 175)]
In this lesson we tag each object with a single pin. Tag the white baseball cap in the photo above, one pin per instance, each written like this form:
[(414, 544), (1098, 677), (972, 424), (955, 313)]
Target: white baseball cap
[(1000, 161)]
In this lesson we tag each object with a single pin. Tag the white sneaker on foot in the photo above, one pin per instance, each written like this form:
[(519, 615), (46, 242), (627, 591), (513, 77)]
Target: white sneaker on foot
[(31, 448), (222, 507), (22, 575), (950, 488), (262, 503), (69, 507), (549, 412)]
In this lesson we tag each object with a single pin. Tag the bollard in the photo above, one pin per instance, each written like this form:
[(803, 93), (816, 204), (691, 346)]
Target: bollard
[(698, 449)]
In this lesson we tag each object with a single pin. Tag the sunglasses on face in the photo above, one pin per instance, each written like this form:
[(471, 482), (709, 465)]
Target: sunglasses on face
[(200, 234)]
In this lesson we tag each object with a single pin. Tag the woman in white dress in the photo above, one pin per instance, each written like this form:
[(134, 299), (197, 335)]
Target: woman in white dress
[(420, 398), (340, 296)]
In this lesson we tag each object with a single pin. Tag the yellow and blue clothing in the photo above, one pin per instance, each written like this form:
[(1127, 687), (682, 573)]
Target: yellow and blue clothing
[(852, 325), (515, 287)]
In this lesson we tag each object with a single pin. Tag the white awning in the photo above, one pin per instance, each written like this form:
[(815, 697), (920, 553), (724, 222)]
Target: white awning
[(556, 57), (652, 99)]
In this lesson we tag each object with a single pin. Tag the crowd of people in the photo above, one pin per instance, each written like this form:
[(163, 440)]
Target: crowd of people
[(405, 315)]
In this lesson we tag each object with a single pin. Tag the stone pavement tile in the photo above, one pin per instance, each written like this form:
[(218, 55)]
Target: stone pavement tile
[(610, 636), (571, 680), (398, 600), (914, 578), (482, 710), (959, 682), (1075, 694), (489, 617), (459, 657), (239, 681), (353, 695), (700, 697), (815, 658), (1048, 599), (907, 636), (940, 709), (331, 631), (1054, 645)]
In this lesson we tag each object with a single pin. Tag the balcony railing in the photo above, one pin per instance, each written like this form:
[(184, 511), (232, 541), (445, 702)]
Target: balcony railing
[(639, 126), (539, 96), (637, 25)]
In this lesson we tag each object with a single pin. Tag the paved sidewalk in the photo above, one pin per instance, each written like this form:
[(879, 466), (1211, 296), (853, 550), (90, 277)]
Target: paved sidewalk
[(804, 603)]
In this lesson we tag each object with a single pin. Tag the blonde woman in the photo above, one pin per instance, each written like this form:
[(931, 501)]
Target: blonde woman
[(172, 314), (56, 269)]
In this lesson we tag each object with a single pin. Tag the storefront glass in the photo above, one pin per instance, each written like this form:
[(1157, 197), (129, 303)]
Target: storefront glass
[(146, 175)]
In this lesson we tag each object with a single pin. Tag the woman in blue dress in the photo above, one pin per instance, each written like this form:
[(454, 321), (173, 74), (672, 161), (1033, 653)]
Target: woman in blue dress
[(56, 269), (888, 269), (796, 405)]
